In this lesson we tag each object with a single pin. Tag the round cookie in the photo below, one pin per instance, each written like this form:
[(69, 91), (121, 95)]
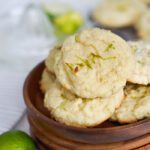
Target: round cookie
[(94, 63), (49, 62), (143, 26), (141, 72), (118, 13), (135, 106), (71, 110), (47, 80)]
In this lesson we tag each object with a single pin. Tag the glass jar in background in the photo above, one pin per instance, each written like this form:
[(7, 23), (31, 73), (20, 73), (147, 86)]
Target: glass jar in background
[(64, 18), (29, 31), (26, 36)]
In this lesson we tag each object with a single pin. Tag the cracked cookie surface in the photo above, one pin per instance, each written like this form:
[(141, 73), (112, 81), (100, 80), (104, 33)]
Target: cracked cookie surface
[(135, 106), (141, 72), (72, 110), (94, 63)]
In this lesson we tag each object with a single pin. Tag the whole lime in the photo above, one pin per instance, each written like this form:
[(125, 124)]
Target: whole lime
[(16, 140)]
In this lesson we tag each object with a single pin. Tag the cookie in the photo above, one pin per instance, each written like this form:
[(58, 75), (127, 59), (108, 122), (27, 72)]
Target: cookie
[(72, 110), (143, 26), (47, 80), (118, 13), (135, 106), (49, 62), (141, 72), (94, 63)]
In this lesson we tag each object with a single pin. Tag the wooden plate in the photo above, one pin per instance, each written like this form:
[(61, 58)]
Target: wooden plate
[(108, 132), (48, 141)]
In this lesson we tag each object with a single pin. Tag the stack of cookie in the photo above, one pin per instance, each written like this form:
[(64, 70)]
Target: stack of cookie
[(84, 78), (123, 14), (136, 104)]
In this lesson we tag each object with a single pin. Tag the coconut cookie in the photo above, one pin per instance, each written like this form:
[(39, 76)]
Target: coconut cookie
[(118, 13), (143, 25), (135, 106), (141, 72), (49, 62), (47, 80), (94, 63), (71, 110)]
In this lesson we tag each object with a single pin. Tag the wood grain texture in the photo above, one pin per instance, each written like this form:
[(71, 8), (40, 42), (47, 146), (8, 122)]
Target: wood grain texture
[(145, 147), (51, 141), (59, 136)]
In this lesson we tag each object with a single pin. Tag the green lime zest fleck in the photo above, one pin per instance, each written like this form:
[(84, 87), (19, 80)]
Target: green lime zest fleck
[(63, 104), (141, 62), (91, 58), (109, 47), (64, 97), (94, 56), (70, 66), (79, 64), (140, 92), (96, 50), (85, 62), (100, 57), (134, 48), (73, 67), (77, 39)]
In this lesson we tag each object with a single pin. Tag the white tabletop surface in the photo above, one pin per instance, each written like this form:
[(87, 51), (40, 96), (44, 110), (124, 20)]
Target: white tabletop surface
[(23, 124)]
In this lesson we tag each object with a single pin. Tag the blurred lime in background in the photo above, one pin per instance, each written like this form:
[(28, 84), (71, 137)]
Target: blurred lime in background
[(68, 23), (65, 21)]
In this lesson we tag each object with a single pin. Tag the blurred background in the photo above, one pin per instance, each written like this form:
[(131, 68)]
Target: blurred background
[(27, 30), (30, 28)]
